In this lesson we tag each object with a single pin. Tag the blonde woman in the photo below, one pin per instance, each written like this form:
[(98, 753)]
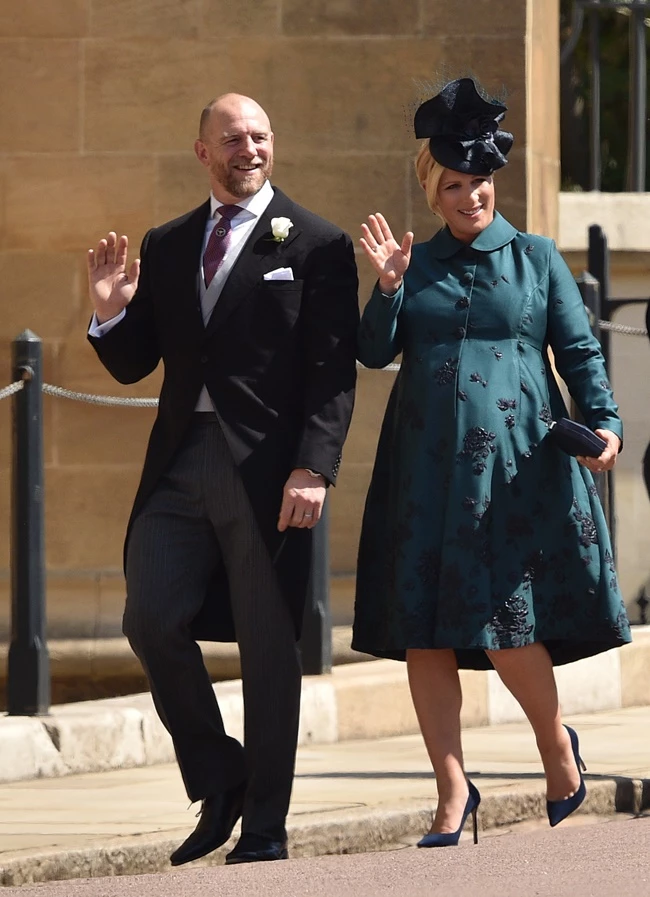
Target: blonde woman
[(483, 544)]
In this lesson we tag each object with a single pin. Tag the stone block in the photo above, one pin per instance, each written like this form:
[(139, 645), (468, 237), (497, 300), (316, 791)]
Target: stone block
[(544, 112), (483, 47), (229, 696), (516, 212), (510, 181), (221, 18), (474, 685), (635, 669), (181, 184), (87, 509), (342, 589), (591, 684), (632, 531), (147, 96), (586, 686), (3, 201), (68, 203), (33, 18), (112, 593), (157, 743), (43, 293), (421, 220), (27, 751), (39, 95), (81, 370), (348, 187), (346, 509), (91, 738), (150, 20), (350, 17), (543, 182), (85, 605), (373, 700), (99, 434), (475, 17), (72, 606), (318, 711), (373, 390), (367, 275), (374, 88)]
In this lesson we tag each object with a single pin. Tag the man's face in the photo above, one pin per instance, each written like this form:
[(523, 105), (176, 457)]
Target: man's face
[(236, 146)]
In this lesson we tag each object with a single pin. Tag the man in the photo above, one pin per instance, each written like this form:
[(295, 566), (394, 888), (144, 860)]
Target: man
[(251, 303)]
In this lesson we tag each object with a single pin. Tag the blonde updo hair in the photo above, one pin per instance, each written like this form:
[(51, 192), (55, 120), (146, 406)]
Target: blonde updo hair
[(428, 173)]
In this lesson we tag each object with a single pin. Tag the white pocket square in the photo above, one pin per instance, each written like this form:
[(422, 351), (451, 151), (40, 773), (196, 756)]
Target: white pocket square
[(279, 274)]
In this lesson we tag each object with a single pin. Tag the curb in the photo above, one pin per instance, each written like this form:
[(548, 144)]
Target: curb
[(354, 831), (361, 701)]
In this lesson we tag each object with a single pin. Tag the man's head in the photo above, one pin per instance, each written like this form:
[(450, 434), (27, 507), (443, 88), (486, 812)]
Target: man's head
[(235, 144)]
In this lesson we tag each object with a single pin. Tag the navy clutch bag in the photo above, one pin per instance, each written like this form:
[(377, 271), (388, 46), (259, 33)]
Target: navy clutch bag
[(576, 439)]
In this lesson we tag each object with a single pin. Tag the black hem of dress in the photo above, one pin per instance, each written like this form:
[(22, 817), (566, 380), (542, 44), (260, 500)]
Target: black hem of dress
[(561, 652)]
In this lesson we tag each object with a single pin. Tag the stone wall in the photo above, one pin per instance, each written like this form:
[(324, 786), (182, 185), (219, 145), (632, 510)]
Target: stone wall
[(98, 112)]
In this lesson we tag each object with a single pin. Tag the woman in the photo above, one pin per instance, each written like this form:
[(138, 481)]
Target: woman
[(483, 544)]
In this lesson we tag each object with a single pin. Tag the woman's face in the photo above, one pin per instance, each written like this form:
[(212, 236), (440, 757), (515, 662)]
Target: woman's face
[(466, 202)]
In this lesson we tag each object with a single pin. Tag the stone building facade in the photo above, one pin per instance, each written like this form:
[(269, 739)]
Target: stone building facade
[(99, 106)]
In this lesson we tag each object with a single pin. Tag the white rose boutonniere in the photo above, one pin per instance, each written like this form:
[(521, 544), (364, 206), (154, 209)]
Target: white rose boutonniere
[(280, 228)]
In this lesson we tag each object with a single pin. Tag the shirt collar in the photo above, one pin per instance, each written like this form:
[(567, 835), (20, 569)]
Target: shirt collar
[(496, 235), (255, 204)]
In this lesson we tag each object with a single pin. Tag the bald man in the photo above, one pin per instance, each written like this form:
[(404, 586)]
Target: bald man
[(250, 301)]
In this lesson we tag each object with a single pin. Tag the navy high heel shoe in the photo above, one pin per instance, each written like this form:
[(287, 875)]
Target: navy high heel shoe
[(558, 810), (450, 839)]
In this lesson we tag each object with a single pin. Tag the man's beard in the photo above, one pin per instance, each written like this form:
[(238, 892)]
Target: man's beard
[(243, 186)]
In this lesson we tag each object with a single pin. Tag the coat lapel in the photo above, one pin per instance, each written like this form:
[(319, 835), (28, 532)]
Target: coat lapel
[(260, 255), (187, 265)]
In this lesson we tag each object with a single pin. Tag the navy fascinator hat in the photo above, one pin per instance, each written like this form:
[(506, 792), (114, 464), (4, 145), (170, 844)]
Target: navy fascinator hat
[(463, 129)]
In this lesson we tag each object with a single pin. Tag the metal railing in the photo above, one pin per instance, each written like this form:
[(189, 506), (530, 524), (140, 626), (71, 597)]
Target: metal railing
[(638, 12)]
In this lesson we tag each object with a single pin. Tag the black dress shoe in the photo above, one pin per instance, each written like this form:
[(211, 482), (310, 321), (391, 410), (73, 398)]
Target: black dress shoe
[(256, 849), (218, 817)]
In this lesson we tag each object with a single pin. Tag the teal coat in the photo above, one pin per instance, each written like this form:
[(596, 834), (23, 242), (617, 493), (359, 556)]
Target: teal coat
[(478, 532)]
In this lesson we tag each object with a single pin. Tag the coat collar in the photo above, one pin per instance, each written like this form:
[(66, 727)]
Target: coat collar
[(495, 236)]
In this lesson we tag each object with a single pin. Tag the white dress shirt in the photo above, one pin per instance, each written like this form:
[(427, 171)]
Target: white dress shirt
[(242, 226)]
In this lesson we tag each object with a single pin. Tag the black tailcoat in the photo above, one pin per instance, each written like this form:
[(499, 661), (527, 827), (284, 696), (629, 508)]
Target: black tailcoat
[(277, 357)]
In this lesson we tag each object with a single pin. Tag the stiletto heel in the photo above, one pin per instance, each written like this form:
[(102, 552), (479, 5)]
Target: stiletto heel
[(558, 810), (450, 839)]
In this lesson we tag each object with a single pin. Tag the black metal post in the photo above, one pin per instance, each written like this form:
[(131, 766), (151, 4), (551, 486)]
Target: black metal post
[(28, 666), (590, 292), (594, 288), (589, 287), (316, 642), (637, 116), (595, 163), (598, 264)]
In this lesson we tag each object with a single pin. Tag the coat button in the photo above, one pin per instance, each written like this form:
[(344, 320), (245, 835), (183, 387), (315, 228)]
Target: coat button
[(467, 277), (204, 359), (459, 333)]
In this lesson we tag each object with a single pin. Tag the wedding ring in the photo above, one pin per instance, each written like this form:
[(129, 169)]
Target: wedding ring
[(308, 515)]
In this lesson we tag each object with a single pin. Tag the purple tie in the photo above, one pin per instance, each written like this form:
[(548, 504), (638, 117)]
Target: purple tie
[(218, 242)]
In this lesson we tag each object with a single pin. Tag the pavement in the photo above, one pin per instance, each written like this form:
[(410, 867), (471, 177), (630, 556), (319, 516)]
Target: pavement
[(350, 796), (567, 861)]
